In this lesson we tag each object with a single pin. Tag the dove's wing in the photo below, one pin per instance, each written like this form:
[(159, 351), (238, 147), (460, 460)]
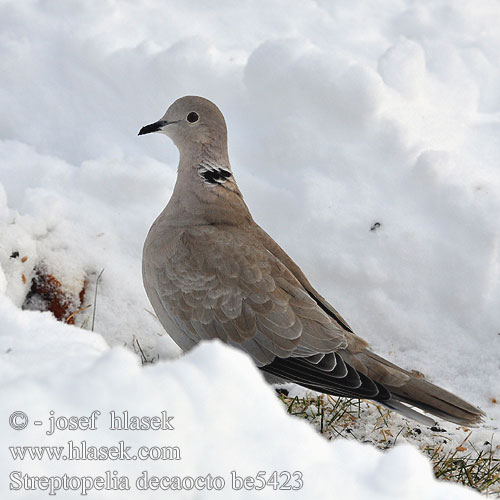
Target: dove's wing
[(222, 283), (280, 254)]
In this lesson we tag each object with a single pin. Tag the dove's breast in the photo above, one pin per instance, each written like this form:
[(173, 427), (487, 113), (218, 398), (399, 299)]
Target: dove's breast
[(192, 283)]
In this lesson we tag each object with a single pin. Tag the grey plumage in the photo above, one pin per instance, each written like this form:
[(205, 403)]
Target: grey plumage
[(211, 272)]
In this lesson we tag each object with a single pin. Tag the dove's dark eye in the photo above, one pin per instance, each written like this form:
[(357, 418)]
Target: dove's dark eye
[(192, 117)]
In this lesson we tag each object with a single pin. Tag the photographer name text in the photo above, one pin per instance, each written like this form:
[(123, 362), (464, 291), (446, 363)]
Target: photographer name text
[(116, 422)]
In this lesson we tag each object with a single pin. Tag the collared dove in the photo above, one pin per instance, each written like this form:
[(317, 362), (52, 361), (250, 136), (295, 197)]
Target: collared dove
[(211, 272)]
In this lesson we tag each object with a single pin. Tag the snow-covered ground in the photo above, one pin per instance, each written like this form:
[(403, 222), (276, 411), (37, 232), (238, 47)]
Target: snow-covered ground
[(341, 115)]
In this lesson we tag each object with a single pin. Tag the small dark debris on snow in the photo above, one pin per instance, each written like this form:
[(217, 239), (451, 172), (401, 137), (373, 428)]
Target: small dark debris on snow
[(437, 429), (14, 255), (417, 430), (281, 392), (375, 226)]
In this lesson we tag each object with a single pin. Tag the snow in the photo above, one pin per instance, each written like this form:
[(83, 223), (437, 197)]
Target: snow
[(225, 418), (340, 116)]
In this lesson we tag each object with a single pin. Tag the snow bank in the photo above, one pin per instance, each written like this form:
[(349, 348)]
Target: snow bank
[(375, 129), (225, 418)]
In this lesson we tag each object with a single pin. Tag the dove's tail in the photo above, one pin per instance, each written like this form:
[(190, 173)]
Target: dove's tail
[(364, 374), (409, 389)]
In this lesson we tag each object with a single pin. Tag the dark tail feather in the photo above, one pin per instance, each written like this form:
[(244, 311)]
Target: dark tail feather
[(426, 396), (441, 403)]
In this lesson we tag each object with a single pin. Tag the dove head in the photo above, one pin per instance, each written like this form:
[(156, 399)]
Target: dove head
[(194, 124)]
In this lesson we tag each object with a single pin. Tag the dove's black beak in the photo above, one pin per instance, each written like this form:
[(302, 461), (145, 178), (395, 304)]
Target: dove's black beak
[(153, 127)]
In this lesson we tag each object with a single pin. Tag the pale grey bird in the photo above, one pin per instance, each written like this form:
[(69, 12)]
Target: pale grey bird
[(211, 272)]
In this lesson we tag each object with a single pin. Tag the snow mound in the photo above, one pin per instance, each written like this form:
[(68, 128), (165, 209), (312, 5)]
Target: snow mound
[(225, 418)]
